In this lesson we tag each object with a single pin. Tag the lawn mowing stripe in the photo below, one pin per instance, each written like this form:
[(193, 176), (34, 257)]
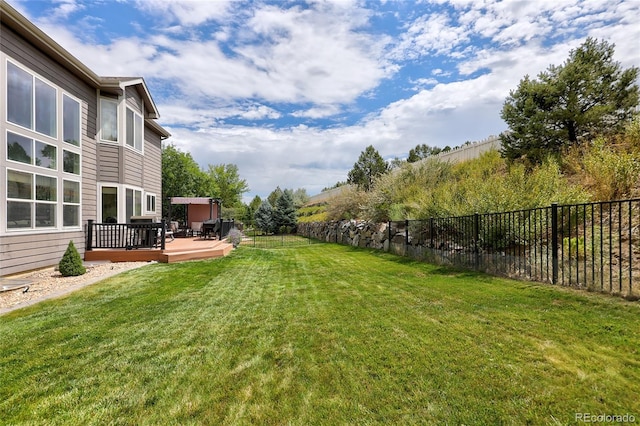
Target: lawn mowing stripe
[(323, 335)]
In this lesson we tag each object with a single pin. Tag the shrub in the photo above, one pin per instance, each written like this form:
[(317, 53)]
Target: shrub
[(234, 237), (345, 205), (71, 263)]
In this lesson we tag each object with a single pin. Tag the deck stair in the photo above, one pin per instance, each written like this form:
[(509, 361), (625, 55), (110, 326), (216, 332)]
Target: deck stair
[(178, 250), (218, 250)]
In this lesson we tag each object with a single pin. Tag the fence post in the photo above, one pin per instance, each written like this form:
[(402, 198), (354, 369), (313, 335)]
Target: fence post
[(389, 235), (162, 234), (89, 243), (476, 237), (431, 232), (554, 243), (406, 236)]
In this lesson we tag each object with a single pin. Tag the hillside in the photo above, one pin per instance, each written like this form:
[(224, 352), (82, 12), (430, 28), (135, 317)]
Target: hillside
[(606, 169)]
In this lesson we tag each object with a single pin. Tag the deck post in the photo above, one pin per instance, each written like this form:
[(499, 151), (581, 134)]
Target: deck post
[(162, 234), (89, 243)]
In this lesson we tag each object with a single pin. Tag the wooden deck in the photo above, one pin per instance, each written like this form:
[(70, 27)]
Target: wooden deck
[(178, 250)]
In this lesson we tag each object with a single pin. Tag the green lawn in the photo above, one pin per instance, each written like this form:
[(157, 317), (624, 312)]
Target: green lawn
[(320, 334)]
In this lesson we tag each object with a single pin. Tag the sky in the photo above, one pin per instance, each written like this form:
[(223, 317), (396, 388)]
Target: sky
[(293, 91)]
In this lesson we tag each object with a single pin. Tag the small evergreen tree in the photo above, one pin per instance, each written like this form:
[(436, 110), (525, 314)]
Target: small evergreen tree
[(71, 263), (284, 214), (370, 164), (264, 217)]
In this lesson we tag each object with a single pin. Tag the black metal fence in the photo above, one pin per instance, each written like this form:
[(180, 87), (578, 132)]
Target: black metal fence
[(258, 239), (595, 246), (125, 235)]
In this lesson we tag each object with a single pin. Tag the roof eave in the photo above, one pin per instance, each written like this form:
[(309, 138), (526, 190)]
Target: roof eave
[(13, 19)]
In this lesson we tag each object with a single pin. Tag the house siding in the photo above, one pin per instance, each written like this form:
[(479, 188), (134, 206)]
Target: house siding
[(22, 251), (152, 164), (25, 250)]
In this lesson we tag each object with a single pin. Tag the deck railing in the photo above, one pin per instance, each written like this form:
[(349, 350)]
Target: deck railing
[(126, 236)]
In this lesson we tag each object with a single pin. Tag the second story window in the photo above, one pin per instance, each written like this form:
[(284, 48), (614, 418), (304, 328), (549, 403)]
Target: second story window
[(33, 101), (108, 120), (70, 120), (134, 130)]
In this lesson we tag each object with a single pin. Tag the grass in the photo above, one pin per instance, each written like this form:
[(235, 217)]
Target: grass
[(321, 334), (277, 241)]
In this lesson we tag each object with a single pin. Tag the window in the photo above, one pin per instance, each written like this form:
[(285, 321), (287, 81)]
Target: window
[(43, 129), (108, 120), (29, 151), (19, 148), (109, 199), (151, 203), (134, 130), (45, 109), (133, 203), (27, 194), (20, 92), (70, 162), (71, 203), (32, 102), (70, 120)]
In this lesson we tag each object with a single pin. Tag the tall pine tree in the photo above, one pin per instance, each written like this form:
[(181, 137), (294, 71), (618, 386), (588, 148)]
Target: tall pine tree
[(589, 95)]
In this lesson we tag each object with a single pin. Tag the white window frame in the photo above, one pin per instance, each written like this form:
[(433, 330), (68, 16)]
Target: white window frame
[(34, 156), (135, 190), (34, 201), (117, 121), (148, 197), (118, 188), (34, 118), (138, 131), (34, 170)]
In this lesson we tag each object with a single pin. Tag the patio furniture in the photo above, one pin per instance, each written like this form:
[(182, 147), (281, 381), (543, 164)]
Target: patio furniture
[(210, 228), (196, 228)]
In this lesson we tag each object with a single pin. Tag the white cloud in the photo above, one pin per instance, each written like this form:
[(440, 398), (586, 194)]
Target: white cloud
[(189, 12), (317, 112), (217, 63)]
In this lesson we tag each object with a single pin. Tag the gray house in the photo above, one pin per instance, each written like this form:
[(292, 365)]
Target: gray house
[(74, 146)]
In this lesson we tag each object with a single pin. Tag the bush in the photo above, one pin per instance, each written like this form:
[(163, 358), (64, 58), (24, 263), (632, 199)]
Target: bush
[(71, 263), (234, 237), (609, 171)]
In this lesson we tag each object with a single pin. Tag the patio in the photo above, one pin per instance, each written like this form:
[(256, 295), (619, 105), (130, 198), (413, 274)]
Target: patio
[(178, 250)]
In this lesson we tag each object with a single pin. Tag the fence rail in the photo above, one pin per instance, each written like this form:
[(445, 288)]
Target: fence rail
[(595, 246)]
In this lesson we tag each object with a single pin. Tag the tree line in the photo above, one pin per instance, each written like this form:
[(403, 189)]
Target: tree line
[(183, 177)]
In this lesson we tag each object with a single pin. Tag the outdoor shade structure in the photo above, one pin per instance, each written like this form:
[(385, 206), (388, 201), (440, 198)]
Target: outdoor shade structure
[(198, 209)]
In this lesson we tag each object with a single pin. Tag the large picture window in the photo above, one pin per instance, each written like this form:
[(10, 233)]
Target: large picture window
[(134, 130), (43, 130)]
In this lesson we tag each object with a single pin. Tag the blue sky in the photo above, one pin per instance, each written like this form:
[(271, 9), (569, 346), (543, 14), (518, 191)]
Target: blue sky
[(293, 91)]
